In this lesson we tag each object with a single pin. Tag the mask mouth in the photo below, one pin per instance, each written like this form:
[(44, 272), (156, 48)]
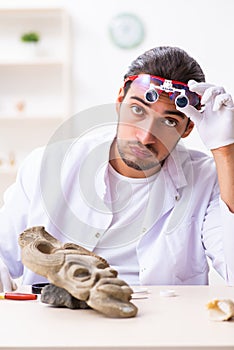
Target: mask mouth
[(153, 86)]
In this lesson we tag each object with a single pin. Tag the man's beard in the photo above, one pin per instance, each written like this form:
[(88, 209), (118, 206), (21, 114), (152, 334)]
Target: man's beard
[(141, 164)]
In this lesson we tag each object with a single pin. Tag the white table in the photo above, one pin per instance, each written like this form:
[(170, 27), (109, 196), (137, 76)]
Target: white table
[(179, 322)]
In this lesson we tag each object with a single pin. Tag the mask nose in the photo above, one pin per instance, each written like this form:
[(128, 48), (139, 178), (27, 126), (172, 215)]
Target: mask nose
[(107, 272)]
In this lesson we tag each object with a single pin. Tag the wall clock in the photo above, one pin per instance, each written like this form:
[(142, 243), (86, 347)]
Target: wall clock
[(126, 30)]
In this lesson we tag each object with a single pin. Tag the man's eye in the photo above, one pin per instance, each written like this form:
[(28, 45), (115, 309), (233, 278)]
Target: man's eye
[(137, 110), (170, 122)]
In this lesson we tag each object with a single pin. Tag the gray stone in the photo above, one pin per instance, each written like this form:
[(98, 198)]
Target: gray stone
[(59, 297)]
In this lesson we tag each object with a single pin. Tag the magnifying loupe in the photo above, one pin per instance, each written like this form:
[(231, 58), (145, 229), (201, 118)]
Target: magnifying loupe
[(151, 95)]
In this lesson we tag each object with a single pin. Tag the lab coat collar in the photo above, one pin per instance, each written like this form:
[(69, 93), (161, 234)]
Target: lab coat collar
[(174, 165), (102, 179)]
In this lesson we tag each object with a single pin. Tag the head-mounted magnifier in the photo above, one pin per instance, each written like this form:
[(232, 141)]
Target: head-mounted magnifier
[(151, 95), (153, 85)]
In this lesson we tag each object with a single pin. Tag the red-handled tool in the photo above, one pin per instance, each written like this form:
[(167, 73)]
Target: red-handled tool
[(18, 296)]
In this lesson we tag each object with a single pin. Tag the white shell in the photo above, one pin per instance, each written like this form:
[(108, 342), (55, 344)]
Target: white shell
[(221, 309)]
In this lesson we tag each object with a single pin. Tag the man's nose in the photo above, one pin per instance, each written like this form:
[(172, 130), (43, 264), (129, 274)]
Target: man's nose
[(146, 133)]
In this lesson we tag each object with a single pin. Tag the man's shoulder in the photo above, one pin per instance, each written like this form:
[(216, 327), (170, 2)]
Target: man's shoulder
[(190, 163), (199, 158), (193, 154), (202, 166), (76, 146), (98, 134)]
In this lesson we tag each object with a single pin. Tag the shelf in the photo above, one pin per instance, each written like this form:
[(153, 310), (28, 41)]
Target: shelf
[(8, 172), (34, 122), (31, 62), (31, 118), (35, 94), (50, 11)]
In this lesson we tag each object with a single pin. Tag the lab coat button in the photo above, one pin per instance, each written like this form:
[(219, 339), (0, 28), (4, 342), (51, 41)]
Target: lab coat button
[(97, 235), (177, 197), (144, 229)]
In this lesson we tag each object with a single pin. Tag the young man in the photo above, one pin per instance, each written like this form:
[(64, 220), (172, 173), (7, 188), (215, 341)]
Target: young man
[(134, 194)]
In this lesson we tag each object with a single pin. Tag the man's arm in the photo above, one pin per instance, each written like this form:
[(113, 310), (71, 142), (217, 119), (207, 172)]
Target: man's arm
[(224, 160), (215, 125), (14, 219)]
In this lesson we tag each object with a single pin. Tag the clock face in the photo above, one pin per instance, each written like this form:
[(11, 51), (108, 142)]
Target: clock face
[(126, 30)]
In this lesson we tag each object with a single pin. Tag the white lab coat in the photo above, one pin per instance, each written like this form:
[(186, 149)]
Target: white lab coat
[(64, 187)]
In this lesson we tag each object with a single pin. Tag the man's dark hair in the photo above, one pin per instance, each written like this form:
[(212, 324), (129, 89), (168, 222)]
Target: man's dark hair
[(167, 62)]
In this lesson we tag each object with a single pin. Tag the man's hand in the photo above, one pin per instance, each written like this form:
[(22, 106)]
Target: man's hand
[(7, 284), (215, 123)]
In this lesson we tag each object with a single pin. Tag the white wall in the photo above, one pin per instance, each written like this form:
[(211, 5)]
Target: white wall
[(203, 28)]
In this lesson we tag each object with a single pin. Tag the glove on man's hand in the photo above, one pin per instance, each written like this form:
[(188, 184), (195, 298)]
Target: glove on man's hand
[(7, 284), (215, 124)]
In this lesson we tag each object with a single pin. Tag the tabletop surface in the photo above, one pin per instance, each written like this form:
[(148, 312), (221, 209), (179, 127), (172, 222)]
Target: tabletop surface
[(181, 321)]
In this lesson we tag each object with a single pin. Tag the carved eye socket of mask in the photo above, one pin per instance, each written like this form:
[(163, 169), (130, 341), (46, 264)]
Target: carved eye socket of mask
[(80, 273), (45, 247)]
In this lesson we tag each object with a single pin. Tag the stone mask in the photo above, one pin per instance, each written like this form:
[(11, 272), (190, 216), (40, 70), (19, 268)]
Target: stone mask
[(85, 275)]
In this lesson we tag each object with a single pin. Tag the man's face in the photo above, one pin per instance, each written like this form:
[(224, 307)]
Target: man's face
[(147, 133)]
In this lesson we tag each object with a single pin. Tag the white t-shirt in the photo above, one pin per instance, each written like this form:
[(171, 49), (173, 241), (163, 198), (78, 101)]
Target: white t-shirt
[(129, 198)]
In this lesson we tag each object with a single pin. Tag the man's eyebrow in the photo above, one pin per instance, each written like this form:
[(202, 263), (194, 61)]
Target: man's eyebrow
[(178, 113), (140, 100)]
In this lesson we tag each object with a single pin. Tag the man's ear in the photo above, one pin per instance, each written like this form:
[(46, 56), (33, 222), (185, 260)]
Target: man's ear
[(119, 99), (189, 128)]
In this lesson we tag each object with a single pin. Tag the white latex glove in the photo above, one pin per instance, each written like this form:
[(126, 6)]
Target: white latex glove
[(7, 284), (215, 124)]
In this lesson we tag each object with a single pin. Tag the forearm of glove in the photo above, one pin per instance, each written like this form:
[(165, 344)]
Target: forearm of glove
[(7, 284), (215, 124)]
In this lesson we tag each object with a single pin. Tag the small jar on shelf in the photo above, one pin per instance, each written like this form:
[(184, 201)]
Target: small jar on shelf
[(7, 162)]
